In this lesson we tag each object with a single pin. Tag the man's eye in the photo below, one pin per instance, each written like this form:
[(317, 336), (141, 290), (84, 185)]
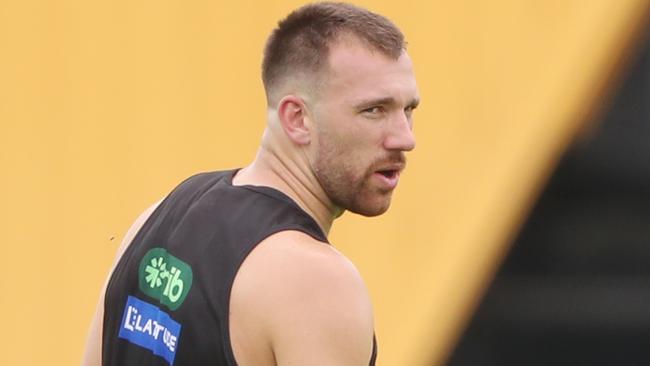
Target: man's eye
[(409, 111), (373, 110)]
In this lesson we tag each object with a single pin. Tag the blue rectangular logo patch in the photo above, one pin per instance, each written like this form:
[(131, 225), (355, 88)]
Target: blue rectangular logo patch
[(149, 327)]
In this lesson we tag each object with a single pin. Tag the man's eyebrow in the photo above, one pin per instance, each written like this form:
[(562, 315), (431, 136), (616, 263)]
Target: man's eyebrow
[(384, 101), (414, 103), (367, 103)]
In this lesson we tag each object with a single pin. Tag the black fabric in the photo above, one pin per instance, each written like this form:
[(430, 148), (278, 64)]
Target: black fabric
[(212, 226)]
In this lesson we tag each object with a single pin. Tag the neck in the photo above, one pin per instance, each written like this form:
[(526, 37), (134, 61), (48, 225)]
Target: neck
[(293, 177)]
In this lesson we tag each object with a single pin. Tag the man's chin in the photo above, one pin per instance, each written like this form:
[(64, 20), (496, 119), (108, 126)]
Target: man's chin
[(371, 209)]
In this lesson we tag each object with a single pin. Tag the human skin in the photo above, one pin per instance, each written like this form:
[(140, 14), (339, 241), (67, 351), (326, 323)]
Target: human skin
[(363, 127)]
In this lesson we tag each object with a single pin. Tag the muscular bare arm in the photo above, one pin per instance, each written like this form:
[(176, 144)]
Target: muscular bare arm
[(297, 301), (93, 353)]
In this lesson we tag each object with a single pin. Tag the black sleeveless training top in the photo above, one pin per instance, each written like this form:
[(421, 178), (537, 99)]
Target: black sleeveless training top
[(167, 302)]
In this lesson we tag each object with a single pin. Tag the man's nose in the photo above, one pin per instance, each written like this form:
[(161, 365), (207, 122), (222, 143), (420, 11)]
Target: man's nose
[(400, 136)]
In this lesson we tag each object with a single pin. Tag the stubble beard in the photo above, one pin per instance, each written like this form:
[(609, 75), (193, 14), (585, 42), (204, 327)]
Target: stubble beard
[(337, 175)]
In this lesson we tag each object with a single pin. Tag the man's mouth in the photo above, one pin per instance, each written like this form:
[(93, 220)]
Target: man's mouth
[(388, 173), (388, 177)]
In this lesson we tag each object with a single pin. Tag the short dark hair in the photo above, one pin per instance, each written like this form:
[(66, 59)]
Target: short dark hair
[(301, 41)]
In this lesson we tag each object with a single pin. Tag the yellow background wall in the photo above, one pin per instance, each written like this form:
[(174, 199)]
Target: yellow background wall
[(106, 106)]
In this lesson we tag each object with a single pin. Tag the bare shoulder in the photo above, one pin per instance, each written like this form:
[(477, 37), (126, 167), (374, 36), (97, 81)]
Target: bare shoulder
[(285, 254), (305, 301)]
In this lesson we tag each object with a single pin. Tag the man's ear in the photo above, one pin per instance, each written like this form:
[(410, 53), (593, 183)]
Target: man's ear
[(292, 113)]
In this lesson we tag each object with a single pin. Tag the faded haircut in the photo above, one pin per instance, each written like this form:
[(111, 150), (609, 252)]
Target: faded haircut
[(300, 43)]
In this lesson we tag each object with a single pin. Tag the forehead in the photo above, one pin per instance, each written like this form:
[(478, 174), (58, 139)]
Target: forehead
[(357, 72)]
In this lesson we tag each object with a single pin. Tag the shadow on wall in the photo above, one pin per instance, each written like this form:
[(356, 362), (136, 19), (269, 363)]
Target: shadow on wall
[(575, 288)]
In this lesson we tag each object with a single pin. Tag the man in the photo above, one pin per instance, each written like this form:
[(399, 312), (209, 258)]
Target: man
[(234, 268)]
